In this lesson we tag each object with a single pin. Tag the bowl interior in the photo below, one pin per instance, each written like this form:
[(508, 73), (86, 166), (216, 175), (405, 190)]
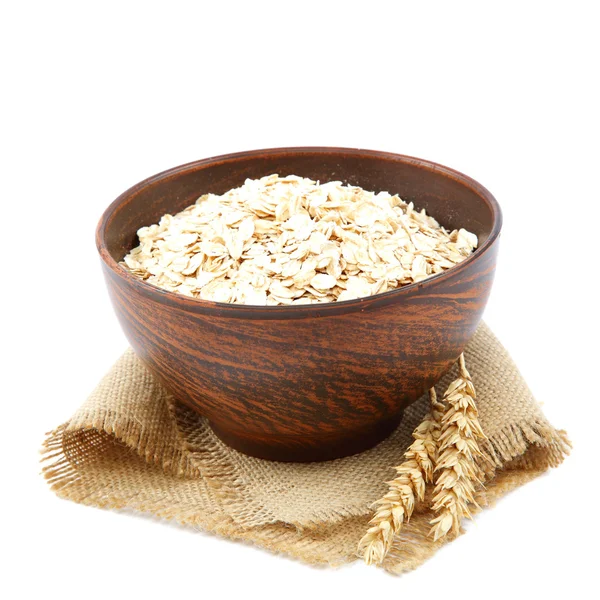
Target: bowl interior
[(455, 200)]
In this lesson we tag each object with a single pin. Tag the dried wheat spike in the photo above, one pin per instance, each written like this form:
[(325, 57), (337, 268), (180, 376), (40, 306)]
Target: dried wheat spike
[(406, 489), (458, 451)]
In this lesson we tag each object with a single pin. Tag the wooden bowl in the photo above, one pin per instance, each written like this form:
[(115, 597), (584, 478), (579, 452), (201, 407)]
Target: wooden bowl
[(309, 382)]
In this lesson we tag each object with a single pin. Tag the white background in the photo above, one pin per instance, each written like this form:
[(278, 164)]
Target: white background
[(96, 96)]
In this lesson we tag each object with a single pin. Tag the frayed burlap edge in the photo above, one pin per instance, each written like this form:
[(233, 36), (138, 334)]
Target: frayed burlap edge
[(333, 544), (92, 484)]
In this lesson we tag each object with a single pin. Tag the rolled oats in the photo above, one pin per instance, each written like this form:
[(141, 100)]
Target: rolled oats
[(290, 240)]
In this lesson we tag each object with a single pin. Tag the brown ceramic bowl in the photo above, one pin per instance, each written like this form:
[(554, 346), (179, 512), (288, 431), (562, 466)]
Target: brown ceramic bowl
[(310, 382)]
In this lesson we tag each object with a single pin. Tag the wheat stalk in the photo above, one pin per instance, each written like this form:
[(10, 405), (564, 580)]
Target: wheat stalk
[(458, 451), (406, 489)]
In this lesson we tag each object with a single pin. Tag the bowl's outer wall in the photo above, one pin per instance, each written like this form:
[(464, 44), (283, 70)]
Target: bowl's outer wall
[(323, 383)]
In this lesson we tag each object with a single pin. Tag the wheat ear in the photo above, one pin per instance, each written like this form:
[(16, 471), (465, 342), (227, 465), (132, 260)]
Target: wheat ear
[(406, 489), (458, 451)]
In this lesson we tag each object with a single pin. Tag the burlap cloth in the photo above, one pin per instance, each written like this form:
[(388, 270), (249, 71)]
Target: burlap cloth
[(130, 446)]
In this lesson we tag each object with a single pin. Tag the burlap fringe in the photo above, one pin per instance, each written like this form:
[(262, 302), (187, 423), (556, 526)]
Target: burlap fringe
[(527, 451), (327, 545), (515, 440)]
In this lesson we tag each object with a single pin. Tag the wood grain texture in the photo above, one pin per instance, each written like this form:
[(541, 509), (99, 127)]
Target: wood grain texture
[(310, 382)]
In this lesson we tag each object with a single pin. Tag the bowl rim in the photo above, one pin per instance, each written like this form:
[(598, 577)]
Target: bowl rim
[(199, 305)]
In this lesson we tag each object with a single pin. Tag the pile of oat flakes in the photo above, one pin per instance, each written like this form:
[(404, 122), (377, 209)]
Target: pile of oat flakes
[(290, 240)]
